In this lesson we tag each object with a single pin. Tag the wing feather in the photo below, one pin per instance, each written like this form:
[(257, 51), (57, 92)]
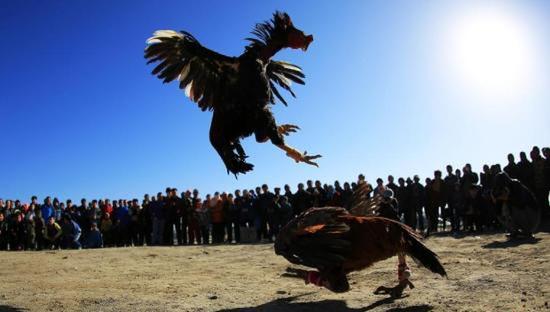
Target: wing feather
[(283, 74), (202, 73)]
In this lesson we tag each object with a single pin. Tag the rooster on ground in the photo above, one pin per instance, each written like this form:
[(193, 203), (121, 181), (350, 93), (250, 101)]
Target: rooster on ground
[(335, 242), (239, 90)]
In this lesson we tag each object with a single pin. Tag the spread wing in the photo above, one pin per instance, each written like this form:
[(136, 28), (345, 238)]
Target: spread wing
[(283, 74), (205, 75), (317, 238), (362, 204)]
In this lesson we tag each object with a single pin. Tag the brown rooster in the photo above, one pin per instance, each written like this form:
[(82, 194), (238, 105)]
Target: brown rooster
[(335, 242)]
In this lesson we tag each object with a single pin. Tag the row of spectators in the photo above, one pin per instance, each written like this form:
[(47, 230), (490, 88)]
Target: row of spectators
[(461, 200)]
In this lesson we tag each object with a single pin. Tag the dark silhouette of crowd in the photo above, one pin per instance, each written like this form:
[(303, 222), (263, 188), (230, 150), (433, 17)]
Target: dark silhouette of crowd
[(459, 201)]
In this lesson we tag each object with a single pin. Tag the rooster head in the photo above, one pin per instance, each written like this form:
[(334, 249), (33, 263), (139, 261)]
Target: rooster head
[(280, 32), (292, 37)]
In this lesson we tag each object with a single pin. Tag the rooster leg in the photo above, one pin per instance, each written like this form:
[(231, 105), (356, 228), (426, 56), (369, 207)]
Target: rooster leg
[(403, 274), (299, 157), (233, 156), (287, 129)]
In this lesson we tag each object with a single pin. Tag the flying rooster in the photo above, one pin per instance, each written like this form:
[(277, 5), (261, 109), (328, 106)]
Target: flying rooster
[(239, 90), (336, 242)]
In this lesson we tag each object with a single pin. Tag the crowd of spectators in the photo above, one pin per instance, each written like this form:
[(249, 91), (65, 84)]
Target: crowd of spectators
[(460, 201)]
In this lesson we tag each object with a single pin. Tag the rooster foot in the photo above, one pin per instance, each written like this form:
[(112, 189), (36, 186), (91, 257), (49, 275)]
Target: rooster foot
[(295, 273), (299, 157), (287, 129), (396, 291)]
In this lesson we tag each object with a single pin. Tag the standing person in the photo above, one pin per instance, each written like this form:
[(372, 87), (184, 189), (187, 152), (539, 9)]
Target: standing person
[(217, 219), (289, 195), (472, 209), (247, 219), (417, 201), (158, 216), (525, 169), (134, 227), (57, 208), (512, 168), (106, 229), (468, 179), (272, 213), (322, 194), (487, 213), (402, 196), (234, 217), (184, 208), (266, 201), (4, 232), (47, 208), (17, 231), (347, 195), (122, 224), (546, 153), (301, 200), (285, 209), (92, 215), (30, 228), (107, 207), (39, 227), (456, 204), (450, 182), (380, 188), (145, 220), (539, 180), (437, 202), (193, 227), (391, 185), (204, 219), (82, 213), (171, 208)]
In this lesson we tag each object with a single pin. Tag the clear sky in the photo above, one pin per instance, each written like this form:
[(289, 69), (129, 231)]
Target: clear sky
[(393, 87)]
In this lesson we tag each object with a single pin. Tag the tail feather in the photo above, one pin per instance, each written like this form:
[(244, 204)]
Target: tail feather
[(418, 251)]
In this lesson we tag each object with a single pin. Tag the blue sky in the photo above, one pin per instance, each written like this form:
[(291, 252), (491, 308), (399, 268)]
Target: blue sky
[(81, 116)]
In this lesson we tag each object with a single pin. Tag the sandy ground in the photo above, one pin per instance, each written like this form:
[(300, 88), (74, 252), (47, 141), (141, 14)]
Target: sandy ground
[(485, 274)]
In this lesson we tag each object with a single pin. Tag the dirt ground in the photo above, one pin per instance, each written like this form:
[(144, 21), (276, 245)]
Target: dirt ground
[(486, 273)]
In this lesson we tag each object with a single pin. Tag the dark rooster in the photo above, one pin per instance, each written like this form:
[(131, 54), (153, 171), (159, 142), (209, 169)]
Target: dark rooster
[(239, 90), (335, 242)]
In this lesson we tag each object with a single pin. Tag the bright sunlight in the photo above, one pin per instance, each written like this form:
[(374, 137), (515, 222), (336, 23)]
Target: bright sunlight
[(491, 52)]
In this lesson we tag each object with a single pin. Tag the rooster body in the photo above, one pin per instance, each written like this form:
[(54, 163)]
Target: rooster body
[(239, 90), (336, 243)]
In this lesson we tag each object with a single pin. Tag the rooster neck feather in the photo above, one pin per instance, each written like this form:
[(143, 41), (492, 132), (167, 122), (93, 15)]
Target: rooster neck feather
[(269, 37)]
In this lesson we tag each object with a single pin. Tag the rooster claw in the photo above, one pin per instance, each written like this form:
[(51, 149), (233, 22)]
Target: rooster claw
[(287, 129), (305, 158), (394, 292)]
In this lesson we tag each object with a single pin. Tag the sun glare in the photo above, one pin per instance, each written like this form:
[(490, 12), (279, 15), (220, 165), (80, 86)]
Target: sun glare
[(491, 51)]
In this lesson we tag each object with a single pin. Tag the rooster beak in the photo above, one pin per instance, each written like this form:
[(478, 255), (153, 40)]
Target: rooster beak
[(307, 41)]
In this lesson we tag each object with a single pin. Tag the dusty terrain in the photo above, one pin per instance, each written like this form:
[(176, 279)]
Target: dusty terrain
[(485, 274)]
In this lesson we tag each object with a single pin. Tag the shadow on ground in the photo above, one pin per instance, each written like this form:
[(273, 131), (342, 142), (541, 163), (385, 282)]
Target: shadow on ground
[(511, 243), (287, 305), (6, 308)]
